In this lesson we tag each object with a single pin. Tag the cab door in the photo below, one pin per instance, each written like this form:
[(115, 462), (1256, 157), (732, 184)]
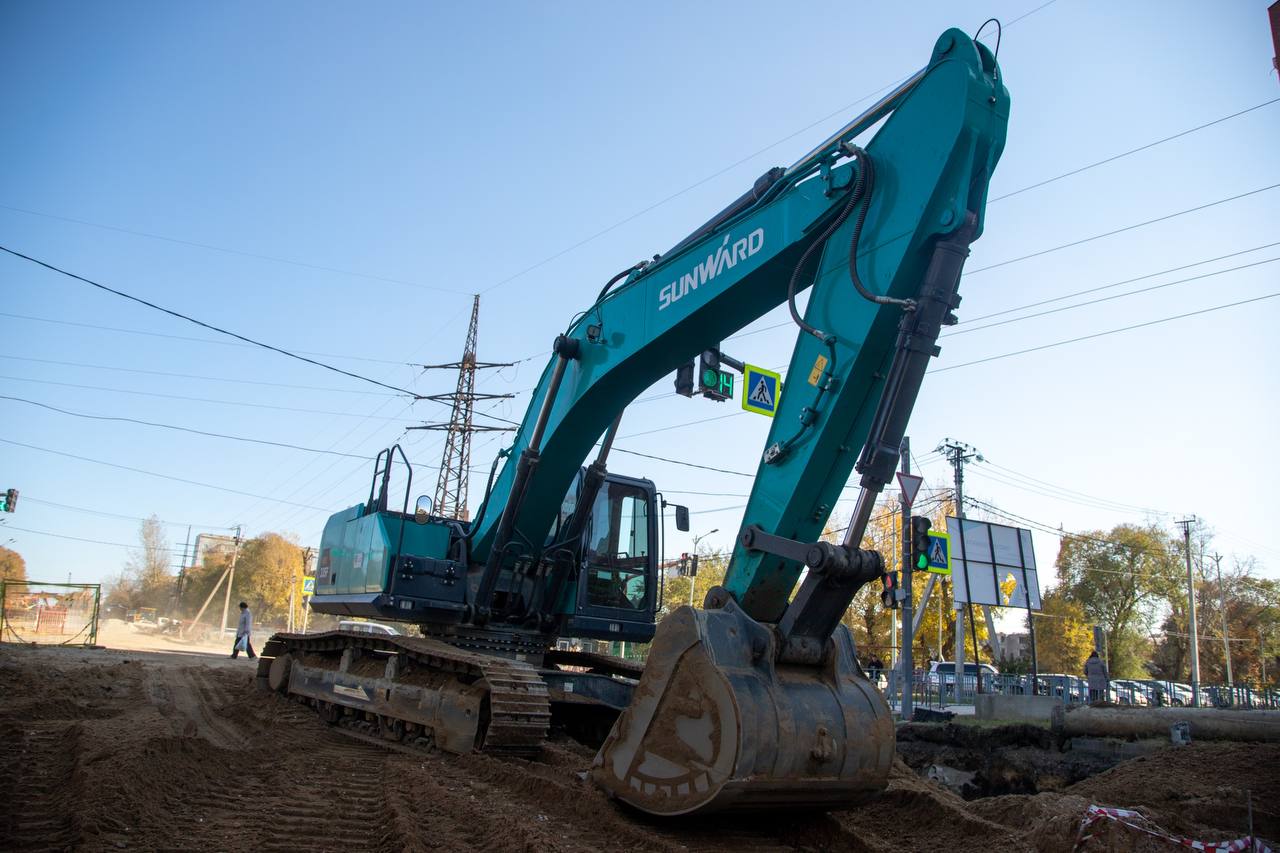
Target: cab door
[(617, 577)]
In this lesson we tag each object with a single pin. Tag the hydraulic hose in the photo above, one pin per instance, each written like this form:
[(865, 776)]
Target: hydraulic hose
[(867, 171)]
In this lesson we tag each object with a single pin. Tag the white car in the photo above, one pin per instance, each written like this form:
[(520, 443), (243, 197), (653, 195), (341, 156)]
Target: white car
[(367, 628)]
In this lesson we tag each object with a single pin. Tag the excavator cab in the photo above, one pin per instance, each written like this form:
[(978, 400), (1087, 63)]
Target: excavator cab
[(617, 590)]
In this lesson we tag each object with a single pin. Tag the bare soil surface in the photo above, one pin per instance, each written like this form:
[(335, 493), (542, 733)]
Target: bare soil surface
[(176, 750)]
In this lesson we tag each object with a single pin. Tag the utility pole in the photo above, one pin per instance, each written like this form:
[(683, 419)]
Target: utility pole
[(958, 453), (1222, 603), (451, 489), (693, 578), (307, 556), (908, 636), (1262, 657), (1191, 612), (231, 578)]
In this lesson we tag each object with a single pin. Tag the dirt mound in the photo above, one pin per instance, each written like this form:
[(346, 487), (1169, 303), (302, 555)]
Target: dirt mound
[(164, 751), (1197, 790)]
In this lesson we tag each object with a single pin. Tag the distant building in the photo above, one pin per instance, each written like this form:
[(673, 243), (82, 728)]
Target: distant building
[(1015, 646), (211, 545)]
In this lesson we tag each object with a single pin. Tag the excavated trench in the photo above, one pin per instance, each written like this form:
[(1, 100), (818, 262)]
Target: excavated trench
[(977, 761)]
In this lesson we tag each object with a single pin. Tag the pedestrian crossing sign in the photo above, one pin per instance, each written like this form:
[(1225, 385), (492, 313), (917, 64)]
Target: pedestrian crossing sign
[(939, 555), (308, 586), (760, 390)]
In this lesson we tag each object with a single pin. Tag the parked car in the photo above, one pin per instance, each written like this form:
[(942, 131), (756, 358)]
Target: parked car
[(943, 674), (367, 627), (1128, 692), (1068, 688)]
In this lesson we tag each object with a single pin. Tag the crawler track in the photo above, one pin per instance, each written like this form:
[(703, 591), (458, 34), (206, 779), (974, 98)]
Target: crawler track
[(387, 681)]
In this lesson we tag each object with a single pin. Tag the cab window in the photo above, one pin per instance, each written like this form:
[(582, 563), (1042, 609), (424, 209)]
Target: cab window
[(617, 553)]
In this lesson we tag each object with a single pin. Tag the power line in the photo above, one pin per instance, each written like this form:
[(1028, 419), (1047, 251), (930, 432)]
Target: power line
[(26, 497), (154, 474), (200, 399), (526, 270), (209, 326), (225, 250), (82, 539), (1084, 292), (1123, 154), (1134, 507), (283, 444), (1004, 311), (1108, 332), (1060, 309), (1061, 496), (1137, 225), (186, 338), (281, 483), (1134, 549), (195, 376)]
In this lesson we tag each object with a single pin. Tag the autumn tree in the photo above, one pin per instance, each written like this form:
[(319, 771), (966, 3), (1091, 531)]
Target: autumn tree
[(1253, 614), (267, 570), (12, 566), (711, 570), (1064, 637)]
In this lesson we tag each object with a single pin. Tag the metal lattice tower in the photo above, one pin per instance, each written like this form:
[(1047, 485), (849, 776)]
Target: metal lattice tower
[(455, 463)]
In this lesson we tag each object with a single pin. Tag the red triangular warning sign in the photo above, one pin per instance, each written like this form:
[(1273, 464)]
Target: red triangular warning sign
[(910, 484)]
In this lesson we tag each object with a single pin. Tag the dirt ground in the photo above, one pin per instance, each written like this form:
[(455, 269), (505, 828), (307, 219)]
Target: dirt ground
[(175, 749)]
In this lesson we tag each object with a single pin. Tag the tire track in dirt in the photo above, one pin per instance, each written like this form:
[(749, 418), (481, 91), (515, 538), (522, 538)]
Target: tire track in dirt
[(39, 813), (194, 699), (325, 796)]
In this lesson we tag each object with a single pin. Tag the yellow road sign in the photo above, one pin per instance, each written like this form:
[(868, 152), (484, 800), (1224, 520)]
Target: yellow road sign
[(760, 390)]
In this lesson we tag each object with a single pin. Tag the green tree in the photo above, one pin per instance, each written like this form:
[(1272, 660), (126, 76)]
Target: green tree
[(12, 566), (1122, 580)]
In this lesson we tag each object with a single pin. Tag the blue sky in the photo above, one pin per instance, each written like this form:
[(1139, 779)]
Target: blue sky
[(337, 179)]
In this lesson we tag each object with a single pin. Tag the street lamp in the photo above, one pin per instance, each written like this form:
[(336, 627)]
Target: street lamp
[(696, 540)]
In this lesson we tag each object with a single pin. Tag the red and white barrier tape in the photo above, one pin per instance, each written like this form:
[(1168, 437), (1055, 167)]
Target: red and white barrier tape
[(1094, 816)]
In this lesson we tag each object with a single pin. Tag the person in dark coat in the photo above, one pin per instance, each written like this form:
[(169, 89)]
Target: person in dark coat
[(1095, 672)]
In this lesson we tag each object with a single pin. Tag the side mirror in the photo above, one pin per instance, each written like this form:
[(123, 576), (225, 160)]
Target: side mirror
[(682, 518), (422, 510)]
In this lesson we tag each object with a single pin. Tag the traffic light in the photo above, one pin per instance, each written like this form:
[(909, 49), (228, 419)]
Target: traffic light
[(920, 542), (889, 589), (713, 383), (689, 565), (10, 500), (684, 380)]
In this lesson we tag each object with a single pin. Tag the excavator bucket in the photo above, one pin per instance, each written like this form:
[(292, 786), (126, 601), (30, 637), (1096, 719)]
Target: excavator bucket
[(717, 724)]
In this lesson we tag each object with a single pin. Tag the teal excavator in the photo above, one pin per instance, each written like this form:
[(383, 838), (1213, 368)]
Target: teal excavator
[(757, 698)]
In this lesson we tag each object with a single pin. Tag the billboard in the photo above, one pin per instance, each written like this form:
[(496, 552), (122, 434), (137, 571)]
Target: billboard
[(992, 564)]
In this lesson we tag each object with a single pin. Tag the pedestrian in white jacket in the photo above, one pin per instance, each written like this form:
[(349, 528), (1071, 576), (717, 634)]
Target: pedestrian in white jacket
[(244, 630)]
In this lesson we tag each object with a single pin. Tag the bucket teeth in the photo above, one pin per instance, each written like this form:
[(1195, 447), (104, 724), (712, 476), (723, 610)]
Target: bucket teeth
[(715, 725)]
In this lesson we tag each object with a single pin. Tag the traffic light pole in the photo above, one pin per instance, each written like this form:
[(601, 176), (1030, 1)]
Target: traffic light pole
[(908, 633)]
